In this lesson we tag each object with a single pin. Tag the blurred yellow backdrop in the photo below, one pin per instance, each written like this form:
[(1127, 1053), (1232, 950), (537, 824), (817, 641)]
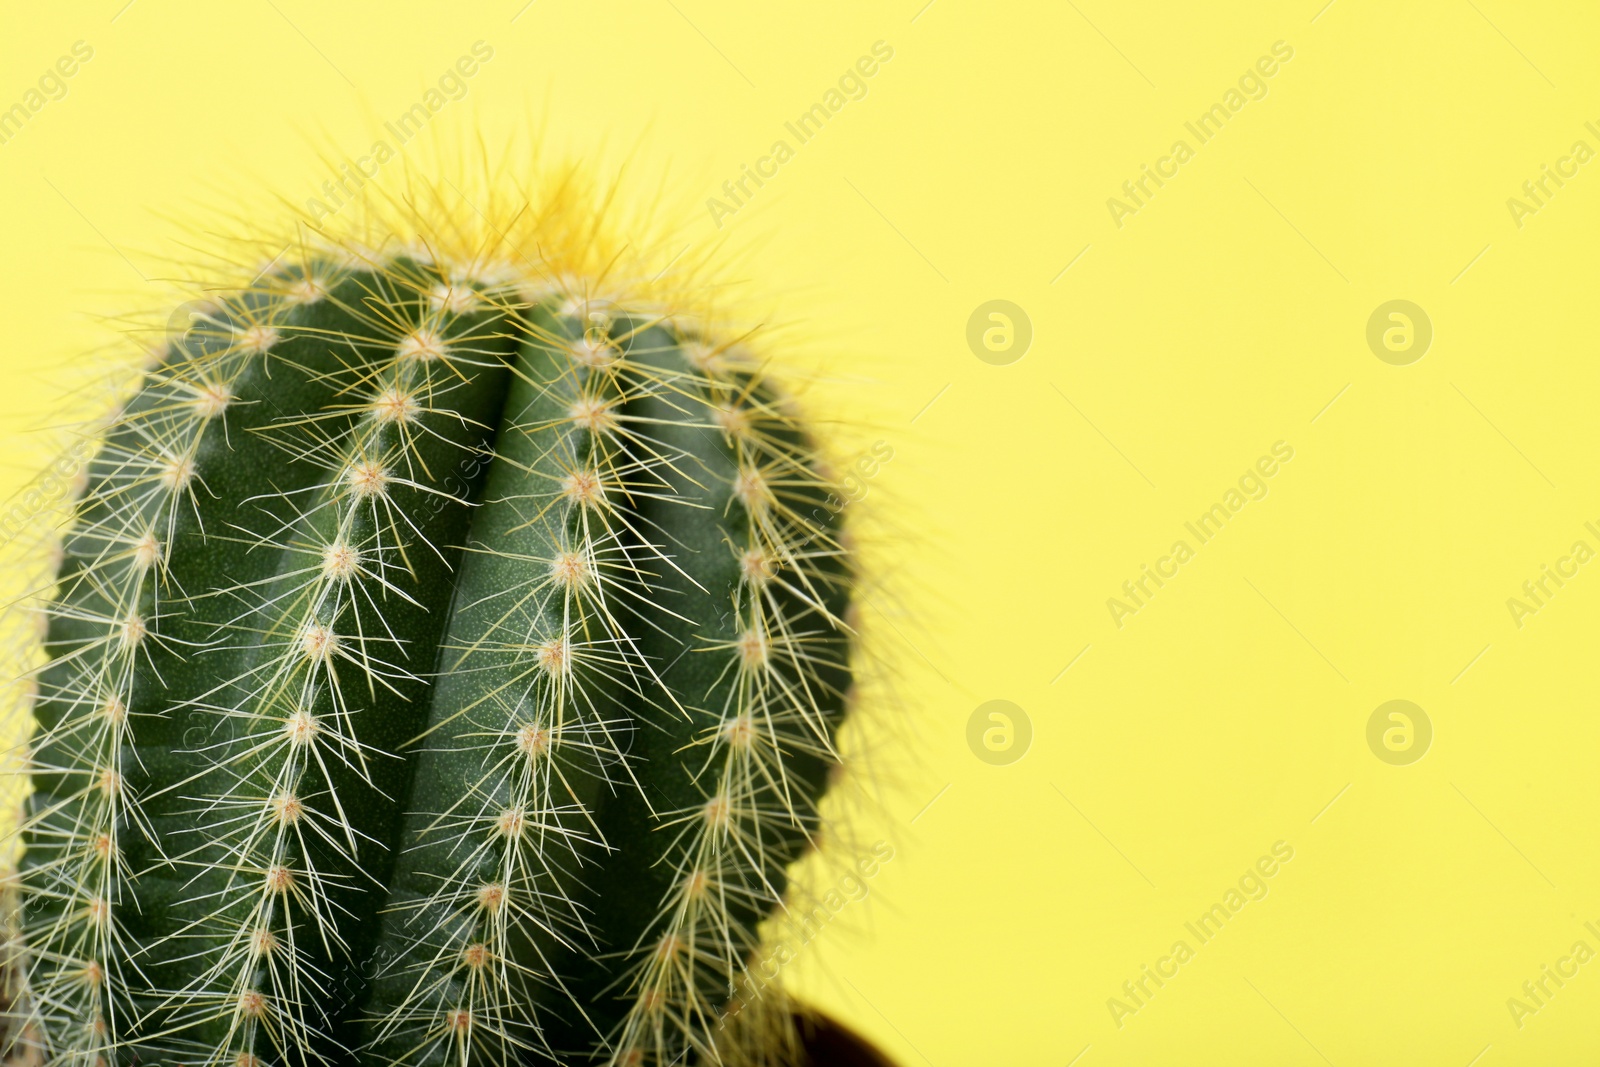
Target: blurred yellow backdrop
[(1203, 215)]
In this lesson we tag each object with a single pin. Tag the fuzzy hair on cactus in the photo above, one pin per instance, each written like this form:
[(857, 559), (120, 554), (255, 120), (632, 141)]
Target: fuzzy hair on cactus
[(442, 665)]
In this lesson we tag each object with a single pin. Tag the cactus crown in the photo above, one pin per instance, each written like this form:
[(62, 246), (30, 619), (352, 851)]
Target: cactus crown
[(442, 666)]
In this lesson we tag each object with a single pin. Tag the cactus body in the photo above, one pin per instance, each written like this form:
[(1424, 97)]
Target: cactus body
[(442, 668)]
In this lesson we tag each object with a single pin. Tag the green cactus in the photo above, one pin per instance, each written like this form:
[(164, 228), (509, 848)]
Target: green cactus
[(443, 666)]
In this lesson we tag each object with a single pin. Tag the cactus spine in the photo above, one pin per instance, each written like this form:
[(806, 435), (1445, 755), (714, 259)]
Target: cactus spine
[(442, 667)]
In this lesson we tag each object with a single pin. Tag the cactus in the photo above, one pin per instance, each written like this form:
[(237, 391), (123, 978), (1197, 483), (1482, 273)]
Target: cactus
[(442, 666)]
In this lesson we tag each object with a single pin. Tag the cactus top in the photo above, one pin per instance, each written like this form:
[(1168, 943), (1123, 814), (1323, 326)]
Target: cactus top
[(443, 666)]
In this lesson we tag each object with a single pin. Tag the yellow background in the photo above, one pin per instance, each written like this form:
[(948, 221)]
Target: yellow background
[(1223, 317)]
